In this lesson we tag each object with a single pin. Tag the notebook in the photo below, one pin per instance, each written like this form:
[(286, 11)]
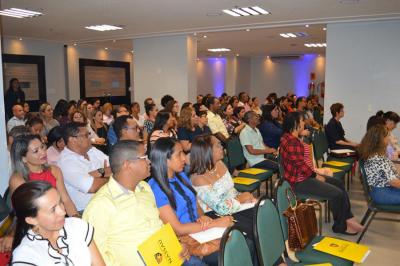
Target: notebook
[(253, 171), (162, 248), (244, 180), (343, 249), (209, 234)]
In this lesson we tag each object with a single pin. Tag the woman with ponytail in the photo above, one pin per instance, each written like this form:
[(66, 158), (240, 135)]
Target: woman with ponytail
[(175, 196), (44, 236)]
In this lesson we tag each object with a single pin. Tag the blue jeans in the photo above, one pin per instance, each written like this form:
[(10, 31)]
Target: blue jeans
[(385, 195), (194, 261)]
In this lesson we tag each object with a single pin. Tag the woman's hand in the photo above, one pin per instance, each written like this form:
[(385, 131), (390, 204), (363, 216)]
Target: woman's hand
[(225, 221), (99, 141), (6, 243), (204, 221), (245, 197), (320, 178)]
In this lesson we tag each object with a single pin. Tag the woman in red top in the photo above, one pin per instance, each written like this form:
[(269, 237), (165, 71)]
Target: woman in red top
[(305, 180), (29, 161)]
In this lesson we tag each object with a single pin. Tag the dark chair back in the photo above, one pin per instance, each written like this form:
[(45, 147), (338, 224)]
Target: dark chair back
[(234, 152), (233, 249), (364, 182)]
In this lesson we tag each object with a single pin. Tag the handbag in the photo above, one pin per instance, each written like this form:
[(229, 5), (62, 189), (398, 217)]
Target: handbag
[(302, 221), (200, 250)]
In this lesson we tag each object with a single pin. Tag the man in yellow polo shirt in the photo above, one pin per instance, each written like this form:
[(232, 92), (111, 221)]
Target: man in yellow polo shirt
[(124, 212)]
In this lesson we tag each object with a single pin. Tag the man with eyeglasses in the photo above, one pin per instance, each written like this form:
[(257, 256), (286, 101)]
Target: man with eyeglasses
[(126, 128), (85, 168)]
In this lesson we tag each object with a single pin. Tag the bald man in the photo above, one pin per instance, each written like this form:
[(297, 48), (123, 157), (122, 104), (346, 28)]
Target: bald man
[(18, 118)]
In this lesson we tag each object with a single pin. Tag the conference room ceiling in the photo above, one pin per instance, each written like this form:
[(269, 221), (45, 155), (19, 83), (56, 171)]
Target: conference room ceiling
[(65, 20)]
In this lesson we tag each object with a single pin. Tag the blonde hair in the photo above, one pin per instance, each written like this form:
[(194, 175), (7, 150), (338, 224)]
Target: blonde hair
[(373, 142), (185, 118)]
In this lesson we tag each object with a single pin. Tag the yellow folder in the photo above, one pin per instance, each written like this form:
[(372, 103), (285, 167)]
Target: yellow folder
[(319, 264), (244, 180), (334, 170), (343, 249), (162, 248), (253, 171), (336, 163)]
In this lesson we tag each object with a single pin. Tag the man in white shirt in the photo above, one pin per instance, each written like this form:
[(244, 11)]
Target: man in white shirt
[(18, 118), (215, 122), (85, 168)]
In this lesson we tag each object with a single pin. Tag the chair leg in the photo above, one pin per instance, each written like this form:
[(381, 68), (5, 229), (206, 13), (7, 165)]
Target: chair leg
[(366, 226), (326, 211), (348, 181), (329, 212), (366, 216)]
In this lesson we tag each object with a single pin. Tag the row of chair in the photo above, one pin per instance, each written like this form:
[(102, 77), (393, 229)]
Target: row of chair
[(270, 235)]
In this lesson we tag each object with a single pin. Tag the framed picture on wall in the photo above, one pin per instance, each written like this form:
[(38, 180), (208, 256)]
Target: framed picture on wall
[(30, 71), (107, 80)]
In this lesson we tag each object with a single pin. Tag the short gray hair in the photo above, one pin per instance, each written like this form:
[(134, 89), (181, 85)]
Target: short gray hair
[(122, 151)]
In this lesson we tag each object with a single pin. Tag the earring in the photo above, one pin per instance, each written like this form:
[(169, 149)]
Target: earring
[(36, 229)]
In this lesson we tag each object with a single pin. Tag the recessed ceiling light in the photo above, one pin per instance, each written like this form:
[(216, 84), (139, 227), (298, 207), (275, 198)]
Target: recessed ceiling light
[(204, 36), (284, 35), (19, 13), (247, 29), (307, 25), (218, 50), (103, 27), (106, 48), (237, 54), (20, 39), (75, 44), (324, 28), (114, 40), (132, 51), (319, 45), (293, 34), (194, 33), (246, 11)]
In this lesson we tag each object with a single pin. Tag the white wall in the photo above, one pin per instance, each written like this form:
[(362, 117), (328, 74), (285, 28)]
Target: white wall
[(54, 62), (362, 71), (282, 76), (74, 53), (162, 66)]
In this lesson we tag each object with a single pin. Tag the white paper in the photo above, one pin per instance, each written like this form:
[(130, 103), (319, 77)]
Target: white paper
[(342, 151), (245, 206), (209, 234)]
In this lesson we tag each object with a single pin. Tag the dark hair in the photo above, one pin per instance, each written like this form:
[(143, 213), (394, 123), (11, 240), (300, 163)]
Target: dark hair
[(161, 119), (375, 120), (299, 100), (335, 108), (209, 101), (147, 100), (55, 134), (132, 105), (18, 131), (201, 155), (241, 94), (372, 143), (72, 130), (237, 110), (122, 151), (201, 113), (61, 109), (11, 82), (390, 115), (149, 107), (232, 100), (266, 111), (19, 149), (185, 105), (120, 123), (291, 122), (33, 121), (24, 201), (165, 99), (161, 151)]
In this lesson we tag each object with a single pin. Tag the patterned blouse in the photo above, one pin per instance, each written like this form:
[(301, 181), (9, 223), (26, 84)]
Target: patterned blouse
[(219, 197), (380, 171)]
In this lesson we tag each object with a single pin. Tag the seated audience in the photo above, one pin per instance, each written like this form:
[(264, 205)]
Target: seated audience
[(244, 101), (119, 111), (55, 144), (165, 99), (18, 118), (232, 123), (85, 168), (108, 118), (270, 129), (211, 178), (391, 120), (188, 128), (126, 128), (35, 126), (334, 130), (254, 149), (256, 106), (61, 111), (44, 236), (202, 123), (199, 102), (135, 113), (99, 131), (304, 180), (163, 127), (175, 196), (215, 122), (46, 114), (14, 95), (381, 173), (148, 125), (121, 221)]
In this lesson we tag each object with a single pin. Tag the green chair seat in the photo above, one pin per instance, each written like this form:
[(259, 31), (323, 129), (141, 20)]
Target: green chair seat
[(261, 177), (311, 256), (248, 188), (388, 208)]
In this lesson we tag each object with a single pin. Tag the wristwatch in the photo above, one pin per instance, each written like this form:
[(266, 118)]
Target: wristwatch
[(101, 171)]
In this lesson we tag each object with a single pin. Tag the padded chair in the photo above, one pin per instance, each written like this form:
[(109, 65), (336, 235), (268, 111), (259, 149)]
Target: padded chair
[(236, 159), (309, 255), (373, 208), (233, 249)]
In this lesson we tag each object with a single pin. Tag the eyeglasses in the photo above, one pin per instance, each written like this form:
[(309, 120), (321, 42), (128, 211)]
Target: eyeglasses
[(144, 157)]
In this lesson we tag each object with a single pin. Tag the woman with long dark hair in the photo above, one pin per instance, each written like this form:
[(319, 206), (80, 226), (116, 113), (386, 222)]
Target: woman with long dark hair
[(270, 128), (29, 161), (44, 236), (163, 127), (13, 95), (175, 196)]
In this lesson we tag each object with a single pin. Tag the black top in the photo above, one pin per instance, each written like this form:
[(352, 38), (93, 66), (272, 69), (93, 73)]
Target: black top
[(12, 97), (334, 132), (185, 134)]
